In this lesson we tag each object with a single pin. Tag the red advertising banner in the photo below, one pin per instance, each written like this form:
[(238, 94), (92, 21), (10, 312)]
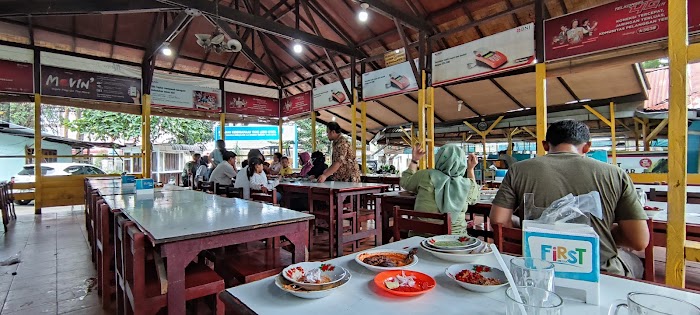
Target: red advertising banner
[(91, 86), (16, 77), (296, 104), (614, 25), (252, 105)]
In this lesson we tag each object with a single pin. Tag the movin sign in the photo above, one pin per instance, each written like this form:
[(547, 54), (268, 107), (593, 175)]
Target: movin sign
[(245, 133), (574, 256)]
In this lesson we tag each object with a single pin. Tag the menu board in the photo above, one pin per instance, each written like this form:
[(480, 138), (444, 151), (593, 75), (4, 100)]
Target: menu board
[(296, 104), (613, 25), (389, 81), (171, 94), (88, 85), (508, 50), (331, 94), (252, 105), (16, 77)]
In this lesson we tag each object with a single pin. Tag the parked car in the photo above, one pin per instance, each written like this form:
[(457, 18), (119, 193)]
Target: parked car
[(26, 175)]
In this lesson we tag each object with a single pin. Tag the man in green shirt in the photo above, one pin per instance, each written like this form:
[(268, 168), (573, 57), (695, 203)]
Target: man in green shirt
[(566, 170)]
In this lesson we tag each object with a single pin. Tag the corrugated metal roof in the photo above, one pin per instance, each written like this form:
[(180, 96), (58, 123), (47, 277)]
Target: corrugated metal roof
[(659, 88)]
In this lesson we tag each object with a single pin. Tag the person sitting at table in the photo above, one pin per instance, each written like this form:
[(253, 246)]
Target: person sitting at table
[(242, 180), (444, 189), (276, 165), (306, 164), (285, 170), (258, 179), (566, 170), (343, 160), (190, 170), (224, 173), (319, 162)]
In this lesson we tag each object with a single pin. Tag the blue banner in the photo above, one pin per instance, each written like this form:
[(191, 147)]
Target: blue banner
[(244, 133)]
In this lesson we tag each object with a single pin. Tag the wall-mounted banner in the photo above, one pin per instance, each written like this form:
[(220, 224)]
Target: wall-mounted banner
[(171, 94), (252, 105), (246, 133), (613, 25), (331, 94), (389, 81), (16, 77), (296, 104), (90, 86), (508, 50)]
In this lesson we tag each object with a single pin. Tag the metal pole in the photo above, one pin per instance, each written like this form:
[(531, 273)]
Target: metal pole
[(363, 145), (613, 133), (146, 135), (37, 153), (222, 123), (541, 105), (421, 119)]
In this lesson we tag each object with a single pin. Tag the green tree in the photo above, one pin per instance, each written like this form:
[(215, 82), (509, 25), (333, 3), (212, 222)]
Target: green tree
[(23, 114), (304, 136)]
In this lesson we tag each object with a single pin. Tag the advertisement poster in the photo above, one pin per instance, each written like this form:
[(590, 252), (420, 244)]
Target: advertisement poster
[(389, 81), (248, 133), (252, 105), (296, 104), (331, 94), (508, 50), (171, 94), (614, 25), (642, 163), (90, 86), (16, 77)]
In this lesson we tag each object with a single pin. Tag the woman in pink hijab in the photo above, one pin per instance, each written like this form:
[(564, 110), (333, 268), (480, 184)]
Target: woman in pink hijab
[(306, 165)]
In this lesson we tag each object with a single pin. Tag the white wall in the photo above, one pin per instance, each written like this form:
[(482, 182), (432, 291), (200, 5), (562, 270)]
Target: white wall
[(14, 145)]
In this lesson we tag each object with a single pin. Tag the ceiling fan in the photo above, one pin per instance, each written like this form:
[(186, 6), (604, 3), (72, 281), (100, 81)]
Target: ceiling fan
[(218, 43)]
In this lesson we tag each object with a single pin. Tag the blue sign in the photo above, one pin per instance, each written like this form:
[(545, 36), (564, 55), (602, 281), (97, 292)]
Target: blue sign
[(243, 133)]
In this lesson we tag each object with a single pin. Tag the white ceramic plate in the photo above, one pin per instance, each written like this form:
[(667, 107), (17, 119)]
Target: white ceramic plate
[(294, 272), (458, 258), (452, 242), (468, 250), (361, 256), (280, 281), (495, 273)]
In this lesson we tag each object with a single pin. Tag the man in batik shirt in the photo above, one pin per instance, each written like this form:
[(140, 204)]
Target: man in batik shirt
[(344, 167)]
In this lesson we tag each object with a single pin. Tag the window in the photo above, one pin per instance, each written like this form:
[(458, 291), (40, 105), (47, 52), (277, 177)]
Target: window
[(172, 162), (30, 156)]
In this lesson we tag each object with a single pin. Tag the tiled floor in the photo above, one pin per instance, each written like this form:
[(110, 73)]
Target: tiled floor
[(55, 273)]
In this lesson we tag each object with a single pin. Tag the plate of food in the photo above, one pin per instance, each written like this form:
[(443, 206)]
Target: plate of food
[(293, 289), (477, 243), (404, 282), (476, 277), (379, 260), (314, 275), (452, 242), (468, 256)]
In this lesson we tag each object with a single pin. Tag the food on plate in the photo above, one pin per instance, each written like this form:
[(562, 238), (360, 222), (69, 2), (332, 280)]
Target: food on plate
[(475, 276), (313, 276), (390, 259), (447, 243), (404, 283), (650, 208)]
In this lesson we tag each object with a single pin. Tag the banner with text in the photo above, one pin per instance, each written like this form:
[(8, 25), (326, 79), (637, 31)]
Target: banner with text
[(331, 94), (247, 133), (296, 104), (172, 94), (90, 86), (252, 105), (16, 77), (508, 50), (613, 25), (397, 79)]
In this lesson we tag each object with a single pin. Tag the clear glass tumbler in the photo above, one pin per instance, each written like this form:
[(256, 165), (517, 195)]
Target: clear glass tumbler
[(638, 303), (535, 302), (532, 272)]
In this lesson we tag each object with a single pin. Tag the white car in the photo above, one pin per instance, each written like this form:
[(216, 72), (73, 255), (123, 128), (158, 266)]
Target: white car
[(26, 175)]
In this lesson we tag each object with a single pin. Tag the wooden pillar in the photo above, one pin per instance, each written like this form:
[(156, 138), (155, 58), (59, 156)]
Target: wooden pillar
[(146, 135), (541, 105), (281, 144), (613, 133), (38, 176), (313, 131), (430, 121), (422, 121), (645, 129), (222, 123), (363, 137)]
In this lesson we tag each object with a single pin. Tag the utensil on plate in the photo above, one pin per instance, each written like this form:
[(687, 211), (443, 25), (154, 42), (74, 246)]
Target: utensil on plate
[(532, 301), (639, 303), (532, 272), (410, 255), (359, 258), (293, 289)]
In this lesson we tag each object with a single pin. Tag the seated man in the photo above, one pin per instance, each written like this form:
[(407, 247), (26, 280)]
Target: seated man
[(567, 170), (224, 173), (190, 170), (285, 170)]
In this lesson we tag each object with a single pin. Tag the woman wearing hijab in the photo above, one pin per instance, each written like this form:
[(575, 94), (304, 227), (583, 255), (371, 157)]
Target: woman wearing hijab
[(319, 164), (444, 189), (306, 165)]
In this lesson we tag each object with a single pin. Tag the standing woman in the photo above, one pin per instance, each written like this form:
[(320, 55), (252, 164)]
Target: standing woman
[(217, 156), (444, 189)]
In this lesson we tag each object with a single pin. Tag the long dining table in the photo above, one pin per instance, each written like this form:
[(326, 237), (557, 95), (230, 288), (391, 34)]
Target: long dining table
[(361, 296), (336, 193), (180, 224)]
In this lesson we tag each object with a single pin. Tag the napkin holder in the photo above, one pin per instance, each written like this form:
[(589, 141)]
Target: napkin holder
[(145, 187), (574, 249), (128, 183)]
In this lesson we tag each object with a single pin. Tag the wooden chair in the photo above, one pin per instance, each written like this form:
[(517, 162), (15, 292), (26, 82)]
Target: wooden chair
[(321, 209), (9, 200), (251, 262), (648, 259), (105, 253), (662, 196), (121, 223), (143, 293), (228, 191), (4, 209), (414, 221), (268, 197)]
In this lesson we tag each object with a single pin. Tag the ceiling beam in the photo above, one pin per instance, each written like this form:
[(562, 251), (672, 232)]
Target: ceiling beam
[(510, 96), (407, 51), (76, 7), (175, 27), (460, 99), (391, 12), (391, 110), (479, 22), (264, 25)]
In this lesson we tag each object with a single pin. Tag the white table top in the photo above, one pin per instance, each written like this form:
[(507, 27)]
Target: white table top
[(176, 215), (360, 296), (333, 185), (692, 212), (647, 188)]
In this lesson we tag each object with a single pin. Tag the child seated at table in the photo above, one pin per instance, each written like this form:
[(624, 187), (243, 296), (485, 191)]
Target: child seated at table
[(285, 170), (257, 177)]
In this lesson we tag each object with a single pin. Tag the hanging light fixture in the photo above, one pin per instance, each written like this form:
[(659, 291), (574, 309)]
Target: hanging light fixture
[(363, 15), (166, 49), (297, 47)]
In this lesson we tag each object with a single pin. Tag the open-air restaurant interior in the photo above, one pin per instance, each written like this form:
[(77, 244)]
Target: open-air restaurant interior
[(510, 157)]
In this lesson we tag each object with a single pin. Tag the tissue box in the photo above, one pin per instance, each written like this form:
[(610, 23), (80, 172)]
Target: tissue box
[(144, 186), (128, 183)]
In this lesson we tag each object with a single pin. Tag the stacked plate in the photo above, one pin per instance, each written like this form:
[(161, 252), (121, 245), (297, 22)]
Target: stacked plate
[(456, 248)]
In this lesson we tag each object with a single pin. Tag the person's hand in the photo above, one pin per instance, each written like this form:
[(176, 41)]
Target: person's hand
[(322, 178), (417, 153), (472, 161), (264, 189)]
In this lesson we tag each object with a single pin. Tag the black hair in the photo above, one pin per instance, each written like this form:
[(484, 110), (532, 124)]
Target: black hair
[(254, 153), (568, 131), (318, 157), (503, 152), (196, 155), (228, 155), (221, 145), (251, 166), (278, 155), (244, 163), (333, 126), (284, 158)]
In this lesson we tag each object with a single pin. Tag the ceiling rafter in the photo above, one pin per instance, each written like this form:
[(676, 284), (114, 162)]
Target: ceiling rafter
[(391, 12), (10, 8)]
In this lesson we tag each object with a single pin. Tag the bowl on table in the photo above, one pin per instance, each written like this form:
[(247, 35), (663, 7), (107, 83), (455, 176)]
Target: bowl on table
[(394, 256), (466, 256), (314, 275), (452, 242), (422, 282), (469, 276), (293, 289)]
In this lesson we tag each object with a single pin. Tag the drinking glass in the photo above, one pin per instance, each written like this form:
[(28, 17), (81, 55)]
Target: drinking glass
[(532, 272), (535, 302), (638, 303)]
